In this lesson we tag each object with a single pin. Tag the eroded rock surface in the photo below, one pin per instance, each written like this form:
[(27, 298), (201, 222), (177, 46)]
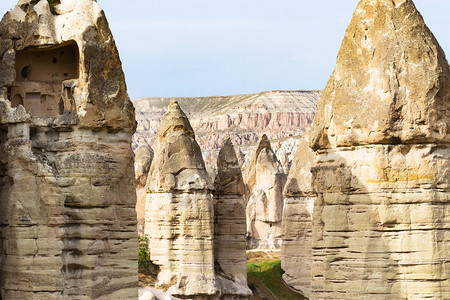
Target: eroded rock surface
[(67, 209), (299, 196), (382, 136), (230, 222), (179, 220), (143, 157), (243, 118), (264, 179)]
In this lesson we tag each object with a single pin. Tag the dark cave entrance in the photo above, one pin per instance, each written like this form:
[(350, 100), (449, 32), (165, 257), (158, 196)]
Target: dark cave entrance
[(40, 77)]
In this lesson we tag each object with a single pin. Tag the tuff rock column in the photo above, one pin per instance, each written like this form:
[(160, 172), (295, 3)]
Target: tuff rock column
[(143, 157), (299, 197), (179, 219), (264, 179), (382, 136), (67, 216), (230, 221)]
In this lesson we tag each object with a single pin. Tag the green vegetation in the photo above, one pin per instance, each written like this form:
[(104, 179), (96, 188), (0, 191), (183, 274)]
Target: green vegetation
[(52, 4), (146, 266), (264, 278)]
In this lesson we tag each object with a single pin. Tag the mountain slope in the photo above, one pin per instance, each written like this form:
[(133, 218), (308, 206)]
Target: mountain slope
[(244, 118)]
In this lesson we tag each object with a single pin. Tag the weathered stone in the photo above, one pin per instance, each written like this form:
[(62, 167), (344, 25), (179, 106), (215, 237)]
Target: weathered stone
[(243, 118), (67, 209), (299, 196), (264, 179), (143, 157), (382, 175), (179, 220), (229, 213)]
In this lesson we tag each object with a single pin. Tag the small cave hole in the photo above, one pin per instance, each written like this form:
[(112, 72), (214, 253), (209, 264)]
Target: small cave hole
[(16, 100), (54, 60), (25, 72), (61, 106), (33, 133)]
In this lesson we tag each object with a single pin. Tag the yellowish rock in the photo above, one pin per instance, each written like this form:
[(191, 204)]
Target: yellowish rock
[(67, 209), (381, 136)]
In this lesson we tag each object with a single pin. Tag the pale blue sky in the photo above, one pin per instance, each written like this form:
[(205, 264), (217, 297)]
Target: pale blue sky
[(223, 47)]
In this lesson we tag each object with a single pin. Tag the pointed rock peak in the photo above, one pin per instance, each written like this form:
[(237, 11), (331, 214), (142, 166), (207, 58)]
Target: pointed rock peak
[(175, 120), (227, 156), (229, 176), (263, 143), (144, 149), (391, 82)]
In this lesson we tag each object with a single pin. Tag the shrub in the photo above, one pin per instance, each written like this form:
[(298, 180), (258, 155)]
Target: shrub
[(52, 4), (145, 264)]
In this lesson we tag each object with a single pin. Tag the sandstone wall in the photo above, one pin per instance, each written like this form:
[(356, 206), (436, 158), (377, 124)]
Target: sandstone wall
[(229, 216), (180, 219), (299, 197), (67, 219), (382, 177), (143, 160), (264, 180)]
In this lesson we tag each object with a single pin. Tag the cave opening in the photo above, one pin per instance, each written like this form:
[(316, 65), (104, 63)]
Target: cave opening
[(40, 77)]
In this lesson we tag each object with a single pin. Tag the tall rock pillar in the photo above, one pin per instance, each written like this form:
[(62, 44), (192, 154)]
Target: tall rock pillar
[(382, 137), (230, 222), (179, 219), (299, 197), (201, 254), (264, 179), (143, 157), (67, 216)]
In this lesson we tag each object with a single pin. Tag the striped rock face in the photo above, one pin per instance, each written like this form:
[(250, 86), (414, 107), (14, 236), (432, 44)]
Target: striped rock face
[(184, 221), (299, 197), (382, 139), (264, 180), (67, 195)]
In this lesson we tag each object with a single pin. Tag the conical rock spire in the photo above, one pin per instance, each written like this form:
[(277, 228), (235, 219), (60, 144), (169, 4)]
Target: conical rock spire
[(391, 81), (178, 163)]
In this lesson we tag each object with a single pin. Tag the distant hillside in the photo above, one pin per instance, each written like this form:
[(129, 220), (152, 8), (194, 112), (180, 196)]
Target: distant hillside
[(242, 117)]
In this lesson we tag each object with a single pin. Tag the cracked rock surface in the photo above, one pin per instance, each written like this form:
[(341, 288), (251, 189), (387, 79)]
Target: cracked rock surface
[(382, 181), (67, 209)]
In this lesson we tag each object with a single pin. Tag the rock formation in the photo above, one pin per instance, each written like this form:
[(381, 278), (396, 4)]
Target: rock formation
[(243, 118), (67, 209), (264, 179), (179, 220), (229, 212), (382, 136), (143, 157), (299, 196)]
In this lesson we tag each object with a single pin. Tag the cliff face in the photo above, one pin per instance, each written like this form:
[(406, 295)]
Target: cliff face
[(244, 118), (299, 197), (184, 222), (382, 139), (67, 209)]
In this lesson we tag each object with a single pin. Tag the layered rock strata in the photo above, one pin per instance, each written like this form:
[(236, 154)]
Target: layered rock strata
[(382, 136), (264, 179), (179, 220), (229, 212), (143, 157), (299, 196), (67, 209), (243, 118)]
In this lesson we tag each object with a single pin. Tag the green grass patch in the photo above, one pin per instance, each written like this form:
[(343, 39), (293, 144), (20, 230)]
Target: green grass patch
[(266, 277), (52, 4)]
